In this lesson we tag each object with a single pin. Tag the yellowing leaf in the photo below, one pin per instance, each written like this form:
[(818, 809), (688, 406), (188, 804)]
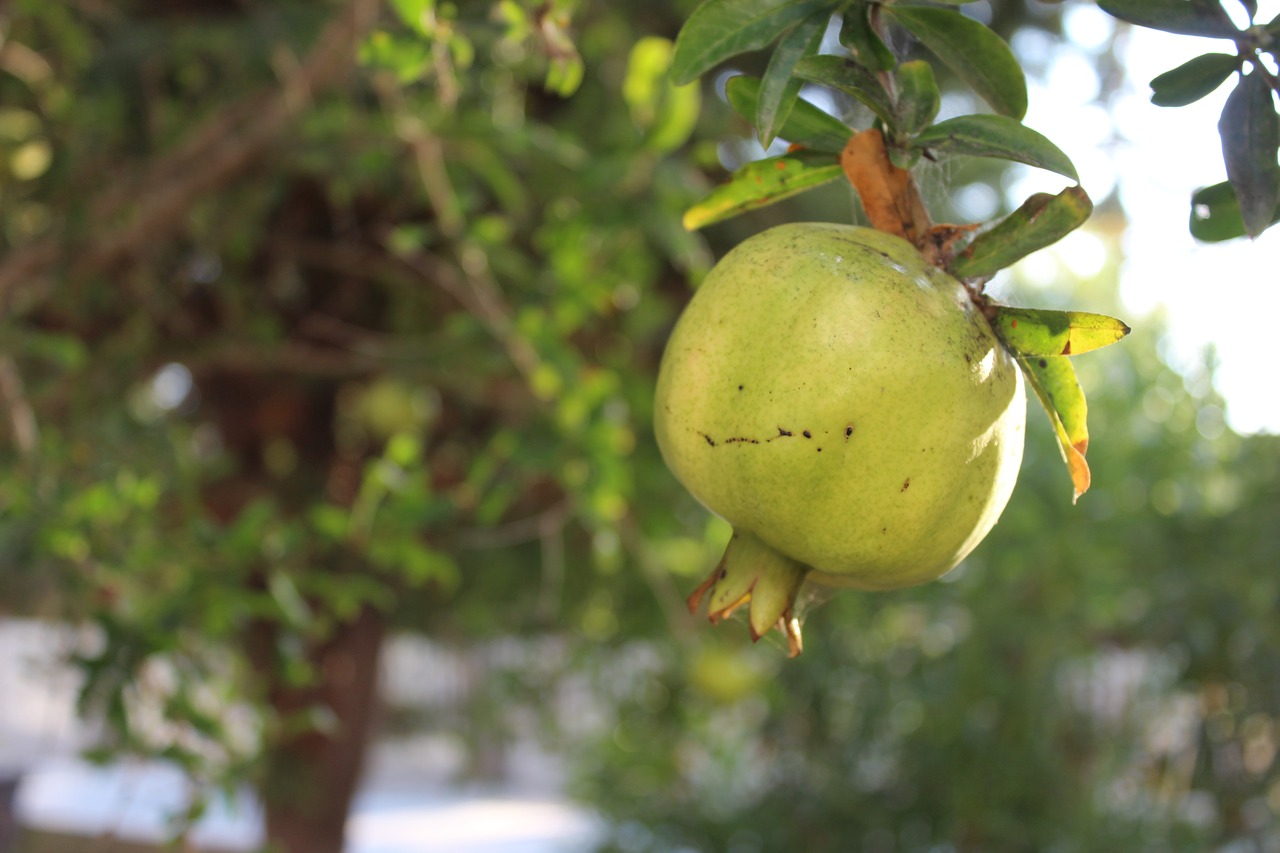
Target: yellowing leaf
[(1053, 378), (763, 182), (1036, 331)]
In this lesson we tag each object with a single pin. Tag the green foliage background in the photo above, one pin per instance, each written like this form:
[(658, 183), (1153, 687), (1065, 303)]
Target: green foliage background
[(421, 323)]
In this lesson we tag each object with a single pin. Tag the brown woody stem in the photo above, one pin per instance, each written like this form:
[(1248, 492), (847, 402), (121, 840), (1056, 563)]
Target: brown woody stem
[(889, 194)]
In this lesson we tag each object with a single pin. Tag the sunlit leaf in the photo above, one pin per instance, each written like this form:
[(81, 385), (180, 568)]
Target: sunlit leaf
[(1053, 378), (415, 14), (564, 75), (763, 182), (778, 88), (849, 77), (408, 59), (666, 112), (1186, 17), (293, 607), (806, 125), (995, 136), (719, 29), (1042, 220), (918, 96), (973, 51), (1215, 214), (1250, 131), (1193, 79), (1040, 331), (857, 35)]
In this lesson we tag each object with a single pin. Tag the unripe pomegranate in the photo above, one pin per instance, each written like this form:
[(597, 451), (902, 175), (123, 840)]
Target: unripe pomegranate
[(846, 407)]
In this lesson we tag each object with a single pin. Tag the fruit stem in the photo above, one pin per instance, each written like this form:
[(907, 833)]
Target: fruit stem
[(753, 573), (889, 195)]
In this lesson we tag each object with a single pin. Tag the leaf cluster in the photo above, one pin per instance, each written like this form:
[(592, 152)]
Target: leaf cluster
[(1248, 202), (903, 97), (904, 100)]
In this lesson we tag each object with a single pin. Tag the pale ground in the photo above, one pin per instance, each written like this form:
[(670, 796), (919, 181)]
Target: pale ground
[(406, 805)]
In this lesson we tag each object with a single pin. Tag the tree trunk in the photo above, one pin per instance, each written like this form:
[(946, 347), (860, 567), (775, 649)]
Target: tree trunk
[(312, 777)]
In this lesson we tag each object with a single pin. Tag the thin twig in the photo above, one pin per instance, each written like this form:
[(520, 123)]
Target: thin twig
[(26, 433)]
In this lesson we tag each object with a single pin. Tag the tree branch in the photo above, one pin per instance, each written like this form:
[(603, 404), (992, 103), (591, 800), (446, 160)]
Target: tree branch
[(218, 152)]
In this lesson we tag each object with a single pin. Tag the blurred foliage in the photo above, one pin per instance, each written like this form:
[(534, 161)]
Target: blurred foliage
[(1096, 678), (402, 360)]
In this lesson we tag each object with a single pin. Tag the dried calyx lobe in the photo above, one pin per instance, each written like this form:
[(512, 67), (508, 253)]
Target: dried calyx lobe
[(752, 573)]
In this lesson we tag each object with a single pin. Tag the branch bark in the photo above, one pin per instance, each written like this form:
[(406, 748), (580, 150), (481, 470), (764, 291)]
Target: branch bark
[(154, 202)]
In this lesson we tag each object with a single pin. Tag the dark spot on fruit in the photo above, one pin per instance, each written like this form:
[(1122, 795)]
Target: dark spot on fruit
[(709, 439), (819, 449), (807, 434), (739, 387), (740, 439), (1044, 363), (906, 484), (884, 530), (967, 358), (783, 432), (848, 431)]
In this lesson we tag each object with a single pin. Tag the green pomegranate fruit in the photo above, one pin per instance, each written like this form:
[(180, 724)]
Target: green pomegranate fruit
[(846, 407)]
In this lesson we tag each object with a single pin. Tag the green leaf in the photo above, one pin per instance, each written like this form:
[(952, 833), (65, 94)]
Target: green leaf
[(976, 54), (996, 136), (778, 88), (564, 75), (666, 112), (858, 36), (806, 125), (1250, 131), (1040, 331), (1186, 17), (414, 14), (918, 96), (1053, 378), (1192, 80), (851, 78), (1042, 219), (1215, 214), (294, 610), (763, 182), (719, 29)]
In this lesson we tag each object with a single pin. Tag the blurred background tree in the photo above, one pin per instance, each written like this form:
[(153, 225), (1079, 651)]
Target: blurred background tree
[(329, 320)]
